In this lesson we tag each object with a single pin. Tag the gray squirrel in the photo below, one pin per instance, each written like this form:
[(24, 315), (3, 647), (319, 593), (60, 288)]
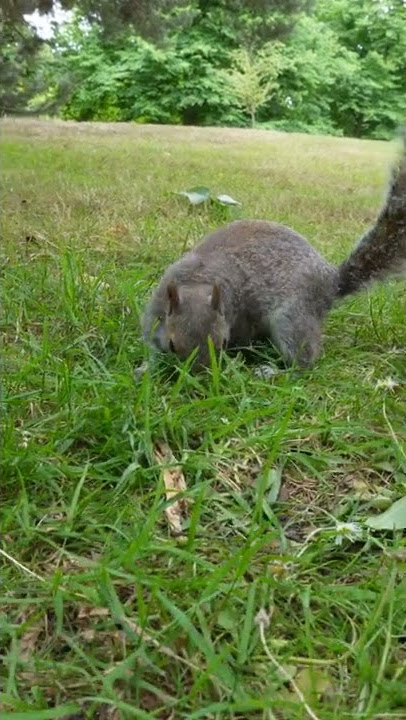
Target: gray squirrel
[(254, 280)]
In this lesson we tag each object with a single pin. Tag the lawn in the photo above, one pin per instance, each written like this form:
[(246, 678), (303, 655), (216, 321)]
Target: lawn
[(105, 612)]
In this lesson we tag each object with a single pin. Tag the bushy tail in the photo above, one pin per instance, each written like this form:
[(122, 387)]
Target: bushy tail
[(381, 252)]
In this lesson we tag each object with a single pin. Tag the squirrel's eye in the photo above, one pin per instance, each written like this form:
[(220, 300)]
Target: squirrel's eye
[(171, 346)]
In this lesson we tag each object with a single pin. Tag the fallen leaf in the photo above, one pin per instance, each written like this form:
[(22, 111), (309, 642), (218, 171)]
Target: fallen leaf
[(196, 195), (227, 200), (376, 496), (113, 714), (85, 611), (312, 682), (280, 570), (175, 483), (108, 712), (363, 490), (287, 672), (29, 640)]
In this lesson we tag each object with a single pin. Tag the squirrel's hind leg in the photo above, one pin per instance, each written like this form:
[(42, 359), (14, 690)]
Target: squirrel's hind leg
[(297, 335)]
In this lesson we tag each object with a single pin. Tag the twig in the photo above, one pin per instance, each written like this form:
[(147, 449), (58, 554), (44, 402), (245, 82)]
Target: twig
[(262, 620), (21, 566), (153, 641), (38, 577), (391, 430)]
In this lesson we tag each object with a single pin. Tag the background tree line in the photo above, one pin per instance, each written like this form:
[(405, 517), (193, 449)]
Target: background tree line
[(334, 66)]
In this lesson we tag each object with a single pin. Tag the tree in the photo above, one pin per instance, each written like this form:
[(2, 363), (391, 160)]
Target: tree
[(253, 77), (17, 71), (225, 24), (154, 19), (130, 78), (340, 69)]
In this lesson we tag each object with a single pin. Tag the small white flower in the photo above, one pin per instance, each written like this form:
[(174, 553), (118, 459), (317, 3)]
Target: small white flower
[(266, 371), (93, 280), (347, 531), (388, 383), (25, 437)]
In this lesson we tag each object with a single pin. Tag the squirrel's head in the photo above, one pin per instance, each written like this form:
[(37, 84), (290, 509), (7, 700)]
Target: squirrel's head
[(193, 314)]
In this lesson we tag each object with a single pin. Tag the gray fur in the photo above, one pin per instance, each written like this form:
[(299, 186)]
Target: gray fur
[(272, 283), (253, 280), (382, 250)]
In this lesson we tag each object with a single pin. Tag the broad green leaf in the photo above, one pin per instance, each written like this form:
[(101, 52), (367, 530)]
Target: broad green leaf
[(394, 518), (227, 200), (274, 481), (196, 195)]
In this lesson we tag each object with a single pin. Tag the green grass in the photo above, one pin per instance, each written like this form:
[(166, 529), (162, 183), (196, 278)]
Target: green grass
[(104, 613)]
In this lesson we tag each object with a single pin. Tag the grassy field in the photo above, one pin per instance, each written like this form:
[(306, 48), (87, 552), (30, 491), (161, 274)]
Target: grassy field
[(105, 613)]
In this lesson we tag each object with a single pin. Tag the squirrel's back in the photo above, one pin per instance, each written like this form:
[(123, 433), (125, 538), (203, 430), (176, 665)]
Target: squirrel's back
[(269, 248), (242, 237), (258, 264)]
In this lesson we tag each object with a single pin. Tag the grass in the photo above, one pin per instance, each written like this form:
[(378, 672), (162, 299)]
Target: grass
[(104, 614)]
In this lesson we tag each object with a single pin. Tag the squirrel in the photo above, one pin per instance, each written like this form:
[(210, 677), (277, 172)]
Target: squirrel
[(253, 280)]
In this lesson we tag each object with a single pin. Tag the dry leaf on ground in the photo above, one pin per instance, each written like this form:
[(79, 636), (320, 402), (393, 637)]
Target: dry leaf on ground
[(29, 640), (175, 483), (86, 611), (109, 712), (312, 682)]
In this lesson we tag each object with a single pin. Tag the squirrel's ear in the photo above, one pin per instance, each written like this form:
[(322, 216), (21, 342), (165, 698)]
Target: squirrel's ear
[(173, 297), (216, 298)]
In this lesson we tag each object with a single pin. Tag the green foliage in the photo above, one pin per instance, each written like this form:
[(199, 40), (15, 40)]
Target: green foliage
[(19, 77), (316, 67), (373, 102), (254, 18), (340, 69), (134, 79), (332, 86), (253, 77)]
